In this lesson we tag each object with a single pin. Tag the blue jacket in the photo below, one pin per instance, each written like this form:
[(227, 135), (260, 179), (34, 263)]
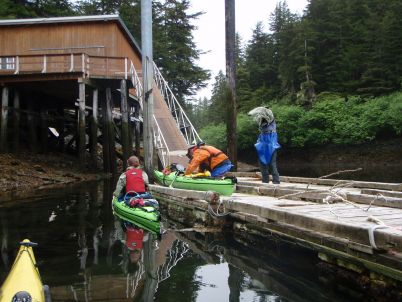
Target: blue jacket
[(267, 142)]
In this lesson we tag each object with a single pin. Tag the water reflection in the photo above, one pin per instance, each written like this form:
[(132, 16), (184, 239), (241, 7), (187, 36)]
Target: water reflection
[(86, 254)]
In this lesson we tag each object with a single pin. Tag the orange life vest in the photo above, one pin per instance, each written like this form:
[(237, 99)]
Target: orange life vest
[(216, 156)]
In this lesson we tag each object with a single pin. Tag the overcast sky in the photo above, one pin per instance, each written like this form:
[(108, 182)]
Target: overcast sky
[(210, 34)]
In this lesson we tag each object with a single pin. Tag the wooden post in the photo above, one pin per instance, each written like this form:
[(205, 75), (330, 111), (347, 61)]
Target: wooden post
[(124, 123), (137, 131), (111, 132), (130, 131), (32, 126), (81, 124), (105, 136), (60, 128), (16, 122), (231, 80), (94, 127), (43, 129), (4, 117)]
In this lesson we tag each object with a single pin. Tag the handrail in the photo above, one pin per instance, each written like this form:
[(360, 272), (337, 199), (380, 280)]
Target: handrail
[(182, 121), (161, 145), (114, 67), (135, 80)]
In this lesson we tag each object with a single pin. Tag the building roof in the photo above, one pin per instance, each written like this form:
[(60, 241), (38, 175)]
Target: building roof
[(77, 19)]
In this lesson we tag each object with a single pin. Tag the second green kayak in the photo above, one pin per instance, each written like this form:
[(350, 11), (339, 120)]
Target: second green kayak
[(222, 186)]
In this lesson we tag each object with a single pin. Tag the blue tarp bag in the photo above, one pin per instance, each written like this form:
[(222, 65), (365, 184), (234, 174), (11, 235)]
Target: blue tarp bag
[(266, 145)]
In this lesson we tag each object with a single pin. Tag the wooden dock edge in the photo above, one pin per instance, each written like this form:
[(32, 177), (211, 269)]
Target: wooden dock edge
[(345, 245), (326, 181), (317, 196)]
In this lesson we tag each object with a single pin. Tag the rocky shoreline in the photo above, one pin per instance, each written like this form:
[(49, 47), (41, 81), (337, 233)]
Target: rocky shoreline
[(24, 173)]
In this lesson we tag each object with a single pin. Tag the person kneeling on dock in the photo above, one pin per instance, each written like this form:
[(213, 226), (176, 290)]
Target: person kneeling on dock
[(209, 157), (133, 180)]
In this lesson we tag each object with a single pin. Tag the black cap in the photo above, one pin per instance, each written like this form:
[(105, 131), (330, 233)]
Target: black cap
[(189, 150), (201, 143)]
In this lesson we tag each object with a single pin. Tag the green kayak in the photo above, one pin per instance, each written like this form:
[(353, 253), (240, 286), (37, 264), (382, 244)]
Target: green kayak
[(222, 186), (146, 217)]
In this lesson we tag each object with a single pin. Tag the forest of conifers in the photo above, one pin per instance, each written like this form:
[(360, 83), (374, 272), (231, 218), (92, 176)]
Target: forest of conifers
[(331, 76)]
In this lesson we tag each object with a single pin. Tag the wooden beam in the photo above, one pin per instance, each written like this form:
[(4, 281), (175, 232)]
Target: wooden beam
[(124, 123), (81, 124), (16, 121), (4, 118), (94, 128)]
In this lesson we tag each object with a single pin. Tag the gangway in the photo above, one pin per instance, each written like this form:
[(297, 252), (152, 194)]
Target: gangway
[(173, 131)]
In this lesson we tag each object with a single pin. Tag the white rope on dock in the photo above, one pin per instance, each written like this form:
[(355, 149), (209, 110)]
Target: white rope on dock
[(218, 214)]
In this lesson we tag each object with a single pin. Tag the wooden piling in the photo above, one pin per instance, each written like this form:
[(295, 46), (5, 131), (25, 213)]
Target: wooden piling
[(94, 128), (105, 136), (81, 124), (111, 132), (43, 129), (130, 131), (230, 33), (124, 123), (16, 122), (4, 114), (60, 128), (137, 131), (33, 141)]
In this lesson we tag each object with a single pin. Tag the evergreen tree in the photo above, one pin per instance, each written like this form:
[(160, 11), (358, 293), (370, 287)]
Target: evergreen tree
[(217, 104), (261, 69), (283, 27), (13, 9), (174, 49), (99, 7)]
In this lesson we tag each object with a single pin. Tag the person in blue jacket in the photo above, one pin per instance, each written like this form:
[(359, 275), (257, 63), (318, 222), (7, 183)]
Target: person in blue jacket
[(267, 143)]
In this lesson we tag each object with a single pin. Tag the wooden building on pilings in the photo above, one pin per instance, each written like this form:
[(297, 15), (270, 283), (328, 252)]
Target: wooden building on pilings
[(63, 80)]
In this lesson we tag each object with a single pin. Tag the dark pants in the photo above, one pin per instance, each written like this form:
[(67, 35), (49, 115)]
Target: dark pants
[(270, 168)]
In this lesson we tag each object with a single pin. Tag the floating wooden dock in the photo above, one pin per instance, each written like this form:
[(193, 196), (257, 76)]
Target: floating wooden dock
[(355, 225)]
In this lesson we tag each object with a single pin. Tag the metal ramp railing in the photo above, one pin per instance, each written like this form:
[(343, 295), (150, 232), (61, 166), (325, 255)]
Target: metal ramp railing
[(184, 125), (183, 122)]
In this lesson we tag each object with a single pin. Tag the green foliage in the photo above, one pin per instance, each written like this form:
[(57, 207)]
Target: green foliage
[(247, 132), (332, 120), (12, 9), (287, 120), (215, 135)]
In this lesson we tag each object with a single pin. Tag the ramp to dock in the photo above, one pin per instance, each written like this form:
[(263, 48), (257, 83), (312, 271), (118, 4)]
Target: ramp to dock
[(176, 144)]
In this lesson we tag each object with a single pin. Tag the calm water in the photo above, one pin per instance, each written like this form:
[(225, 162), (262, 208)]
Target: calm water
[(82, 256)]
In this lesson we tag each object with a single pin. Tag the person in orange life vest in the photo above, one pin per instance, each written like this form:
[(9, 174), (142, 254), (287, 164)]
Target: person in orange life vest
[(133, 180), (210, 157)]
